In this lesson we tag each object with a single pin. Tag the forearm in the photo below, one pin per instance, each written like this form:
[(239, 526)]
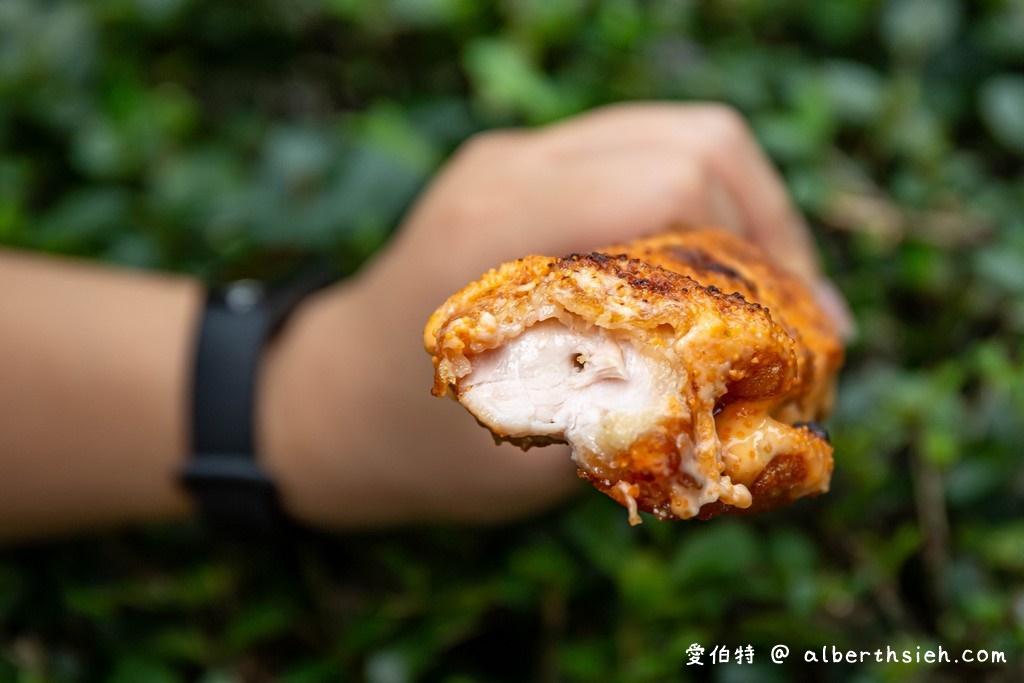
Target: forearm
[(93, 383)]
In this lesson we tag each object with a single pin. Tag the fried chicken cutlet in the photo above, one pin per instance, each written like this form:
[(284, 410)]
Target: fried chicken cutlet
[(686, 372)]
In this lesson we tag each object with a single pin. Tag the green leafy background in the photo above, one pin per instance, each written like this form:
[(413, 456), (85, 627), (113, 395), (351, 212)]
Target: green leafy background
[(226, 138)]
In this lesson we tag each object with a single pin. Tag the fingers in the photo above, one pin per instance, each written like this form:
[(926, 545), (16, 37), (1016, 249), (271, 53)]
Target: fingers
[(615, 196), (716, 138), (508, 195), (832, 302), (739, 188), (613, 174)]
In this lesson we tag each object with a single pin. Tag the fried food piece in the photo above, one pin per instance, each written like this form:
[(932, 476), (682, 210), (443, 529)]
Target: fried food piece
[(685, 371)]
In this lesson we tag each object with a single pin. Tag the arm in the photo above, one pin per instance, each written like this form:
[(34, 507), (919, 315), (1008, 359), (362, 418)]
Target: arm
[(92, 394), (96, 362)]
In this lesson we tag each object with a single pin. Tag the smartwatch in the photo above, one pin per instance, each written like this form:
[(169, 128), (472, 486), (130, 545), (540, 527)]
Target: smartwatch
[(235, 495)]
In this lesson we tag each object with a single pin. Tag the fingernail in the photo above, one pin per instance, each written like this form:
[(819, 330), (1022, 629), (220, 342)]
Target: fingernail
[(835, 306)]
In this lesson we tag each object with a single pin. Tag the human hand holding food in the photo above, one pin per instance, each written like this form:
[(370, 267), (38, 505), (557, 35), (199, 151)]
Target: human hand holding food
[(354, 435)]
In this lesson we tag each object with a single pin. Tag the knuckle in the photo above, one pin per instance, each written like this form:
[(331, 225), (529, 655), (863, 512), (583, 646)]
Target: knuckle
[(692, 179), (725, 124), (687, 195)]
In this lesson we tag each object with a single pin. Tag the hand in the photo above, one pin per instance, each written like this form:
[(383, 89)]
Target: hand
[(351, 429)]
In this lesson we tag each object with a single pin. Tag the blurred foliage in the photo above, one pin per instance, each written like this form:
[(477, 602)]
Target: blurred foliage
[(226, 138)]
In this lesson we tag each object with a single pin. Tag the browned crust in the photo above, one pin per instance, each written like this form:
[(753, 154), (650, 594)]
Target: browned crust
[(722, 260)]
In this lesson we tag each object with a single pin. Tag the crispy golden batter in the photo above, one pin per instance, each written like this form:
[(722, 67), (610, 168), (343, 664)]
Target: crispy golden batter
[(679, 368)]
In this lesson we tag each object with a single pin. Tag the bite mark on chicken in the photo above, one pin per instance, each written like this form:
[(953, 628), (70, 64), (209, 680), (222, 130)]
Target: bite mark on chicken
[(583, 386)]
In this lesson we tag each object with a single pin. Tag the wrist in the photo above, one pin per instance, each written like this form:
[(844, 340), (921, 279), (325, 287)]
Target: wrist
[(298, 407)]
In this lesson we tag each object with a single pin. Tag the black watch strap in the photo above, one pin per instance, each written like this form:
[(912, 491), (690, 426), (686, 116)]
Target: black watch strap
[(236, 497)]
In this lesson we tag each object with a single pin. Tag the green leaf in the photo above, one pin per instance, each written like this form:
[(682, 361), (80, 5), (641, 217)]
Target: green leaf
[(1001, 103), (83, 219), (855, 91), (430, 13), (1002, 546), (727, 548), (509, 84), (259, 623), (646, 584), (133, 669), (544, 21), (913, 29), (389, 129)]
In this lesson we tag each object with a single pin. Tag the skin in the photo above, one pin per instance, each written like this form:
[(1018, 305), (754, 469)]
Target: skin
[(95, 381)]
